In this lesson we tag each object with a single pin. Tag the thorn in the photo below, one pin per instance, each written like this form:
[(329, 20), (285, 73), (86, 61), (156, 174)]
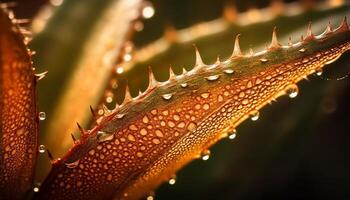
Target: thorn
[(152, 82), (171, 73), (40, 76), (184, 71), (344, 26), (73, 138), (50, 155), (82, 131), (199, 61), (105, 109), (274, 42), (27, 40), (140, 93), (251, 51), (328, 30), (290, 43), (127, 96), (309, 34), (237, 49), (217, 61), (92, 112)]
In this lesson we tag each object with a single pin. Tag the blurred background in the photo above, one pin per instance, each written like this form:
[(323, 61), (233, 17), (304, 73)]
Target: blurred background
[(298, 149)]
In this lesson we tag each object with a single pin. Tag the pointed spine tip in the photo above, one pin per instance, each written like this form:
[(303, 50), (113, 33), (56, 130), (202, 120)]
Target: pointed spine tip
[(328, 30), (73, 137), (344, 26), (309, 34), (49, 155), (152, 82), (80, 128), (172, 75), (251, 52), (237, 48), (274, 42), (40, 76), (218, 60), (184, 71), (290, 43), (92, 112), (127, 96), (199, 61)]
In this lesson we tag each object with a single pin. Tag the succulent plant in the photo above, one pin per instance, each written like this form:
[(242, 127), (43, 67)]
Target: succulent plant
[(143, 131)]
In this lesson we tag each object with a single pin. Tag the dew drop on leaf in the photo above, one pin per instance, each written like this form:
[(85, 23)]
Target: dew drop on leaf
[(167, 96), (103, 136), (172, 180), (254, 116), (232, 135), (73, 164), (319, 72), (205, 155), (292, 90), (42, 149), (42, 116), (212, 78), (183, 85)]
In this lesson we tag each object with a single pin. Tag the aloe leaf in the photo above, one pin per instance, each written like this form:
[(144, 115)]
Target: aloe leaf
[(146, 140), (18, 111), (78, 46)]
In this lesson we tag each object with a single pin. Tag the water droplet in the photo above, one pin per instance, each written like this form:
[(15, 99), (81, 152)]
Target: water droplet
[(172, 180), (228, 71), (103, 136), (114, 83), (109, 97), (42, 149), (232, 135), (167, 96), (150, 197), (36, 187), (263, 60), (319, 72), (213, 78), (42, 116), (72, 164), (292, 90), (205, 95), (127, 57), (183, 85), (191, 126), (119, 70), (205, 155), (119, 116), (302, 50), (156, 141), (254, 115), (148, 11)]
